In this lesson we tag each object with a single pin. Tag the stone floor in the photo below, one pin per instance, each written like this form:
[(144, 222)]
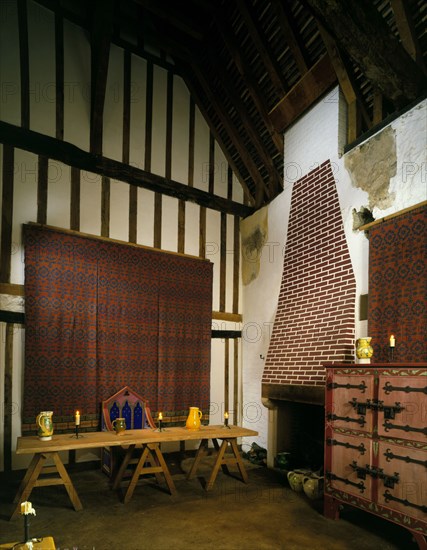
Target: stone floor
[(264, 514)]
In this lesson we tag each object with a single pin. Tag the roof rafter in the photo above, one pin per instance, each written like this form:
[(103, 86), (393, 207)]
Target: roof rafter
[(365, 36), (263, 48), (101, 32), (261, 189)]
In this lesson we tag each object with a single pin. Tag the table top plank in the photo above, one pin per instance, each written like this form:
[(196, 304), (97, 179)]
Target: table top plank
[(90, 440)]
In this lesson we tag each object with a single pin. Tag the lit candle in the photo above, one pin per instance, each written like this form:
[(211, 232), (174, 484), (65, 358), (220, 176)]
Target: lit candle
[(392, 341), (226, 418), (27, 508), (160, 416), (77, 418)]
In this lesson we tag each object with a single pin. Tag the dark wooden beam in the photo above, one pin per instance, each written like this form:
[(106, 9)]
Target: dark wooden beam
[(73, 156), (102, 28), (173, 17), (12, 317), (247, 123), (6, 213), (293, 39), (263, 48), (198, 99), (225, 334), (348, 88), (318, 80), (364, 35), (235, 137), (243, 66), (24, 63), (407, 34)]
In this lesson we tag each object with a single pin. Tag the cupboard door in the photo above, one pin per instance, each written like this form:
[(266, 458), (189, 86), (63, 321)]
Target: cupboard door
[(409, 466), (404, 406), (349, 404), (349, 456)]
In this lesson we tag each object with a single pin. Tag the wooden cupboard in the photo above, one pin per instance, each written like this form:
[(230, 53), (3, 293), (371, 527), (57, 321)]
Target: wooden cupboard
[(376, 442)]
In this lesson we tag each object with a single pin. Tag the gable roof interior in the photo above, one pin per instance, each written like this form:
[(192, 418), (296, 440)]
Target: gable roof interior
[(254, 66)]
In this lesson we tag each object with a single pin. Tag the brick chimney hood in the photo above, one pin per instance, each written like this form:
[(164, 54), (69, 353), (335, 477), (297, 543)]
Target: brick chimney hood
[(315, 318)]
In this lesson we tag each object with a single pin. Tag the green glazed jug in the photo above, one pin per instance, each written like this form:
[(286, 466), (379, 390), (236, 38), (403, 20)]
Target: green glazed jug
[(44, 425), (119, 425)]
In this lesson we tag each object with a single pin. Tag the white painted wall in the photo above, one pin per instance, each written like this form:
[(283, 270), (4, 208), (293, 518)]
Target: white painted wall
[(76, 131), (313, 139)]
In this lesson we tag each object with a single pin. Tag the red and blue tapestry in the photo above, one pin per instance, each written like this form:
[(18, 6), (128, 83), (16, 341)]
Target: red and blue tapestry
[(102, 315), (398, 287)]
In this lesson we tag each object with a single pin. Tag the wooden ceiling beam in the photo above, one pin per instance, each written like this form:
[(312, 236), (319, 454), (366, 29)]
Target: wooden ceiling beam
[(263, 48), (172, 17), (187, 77), (261, 189), (71, 155), (246, 121), (407, 34), (318, 80), (349, 90), (364, 35), (293, 39), (101, 32), (243, 66)]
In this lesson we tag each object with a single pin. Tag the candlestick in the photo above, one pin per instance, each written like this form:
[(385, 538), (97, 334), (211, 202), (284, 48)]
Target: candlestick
[(77, 431), (160, 419), (26, 510), (226, 420), (392, 346)]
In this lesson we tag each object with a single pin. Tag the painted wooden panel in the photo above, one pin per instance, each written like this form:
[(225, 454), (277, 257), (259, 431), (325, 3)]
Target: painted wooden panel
[(24, 208), (169, 223), (213, 242), (119, 210), (41, 48), (158, 158), (76, 86), (145, 216), (10, 80), (58, 194), (90, 203), (180, 130), (113, 108), (220, 172), (201, 152), (137, 111), (192, 228)]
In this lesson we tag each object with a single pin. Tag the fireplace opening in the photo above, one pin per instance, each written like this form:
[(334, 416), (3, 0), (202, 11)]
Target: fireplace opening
[(300, 431)]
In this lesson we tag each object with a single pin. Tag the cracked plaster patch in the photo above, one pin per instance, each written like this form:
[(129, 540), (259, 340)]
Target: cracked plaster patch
[(371, 167), (254, 236)]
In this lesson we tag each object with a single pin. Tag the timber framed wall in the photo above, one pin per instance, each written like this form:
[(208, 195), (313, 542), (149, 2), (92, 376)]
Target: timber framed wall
[(143, 169)]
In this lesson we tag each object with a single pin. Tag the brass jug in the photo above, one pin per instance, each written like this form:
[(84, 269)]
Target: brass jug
[(119, 425), (44, 425), (193, 420)]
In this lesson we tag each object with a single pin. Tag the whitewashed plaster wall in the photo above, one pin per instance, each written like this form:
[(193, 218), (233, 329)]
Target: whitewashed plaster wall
[(313, 139), (76, 131)]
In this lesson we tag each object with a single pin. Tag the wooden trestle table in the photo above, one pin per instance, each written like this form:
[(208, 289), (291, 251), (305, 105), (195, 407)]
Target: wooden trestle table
[(150, 461)]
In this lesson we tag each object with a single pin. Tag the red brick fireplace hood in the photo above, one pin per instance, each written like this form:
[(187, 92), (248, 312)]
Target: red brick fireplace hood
[(315, 318)]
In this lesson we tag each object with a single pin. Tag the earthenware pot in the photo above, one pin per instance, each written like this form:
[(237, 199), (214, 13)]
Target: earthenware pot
[(44, 425), (193, 420), (313, 486), (296, 478)]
